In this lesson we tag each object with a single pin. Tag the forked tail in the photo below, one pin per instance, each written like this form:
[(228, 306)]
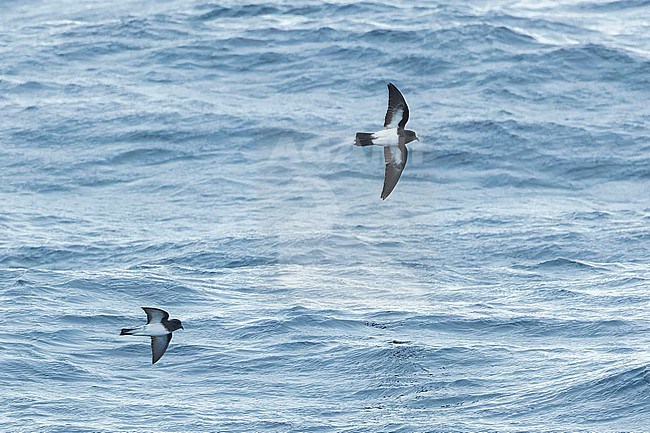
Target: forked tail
[(364, 139)]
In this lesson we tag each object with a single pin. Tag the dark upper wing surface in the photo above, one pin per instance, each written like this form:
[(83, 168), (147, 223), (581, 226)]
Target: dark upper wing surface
[(398, 112)]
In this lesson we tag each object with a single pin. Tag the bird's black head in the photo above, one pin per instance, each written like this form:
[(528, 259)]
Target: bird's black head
[(174, 324), (410, 135)]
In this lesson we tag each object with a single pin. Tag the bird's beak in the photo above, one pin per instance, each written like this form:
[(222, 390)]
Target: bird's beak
[(417, 138), (182, 327)]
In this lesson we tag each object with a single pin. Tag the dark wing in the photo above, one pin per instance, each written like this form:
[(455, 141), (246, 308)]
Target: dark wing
[(155, 315), (395, 161), (158, 347), (398, 112)]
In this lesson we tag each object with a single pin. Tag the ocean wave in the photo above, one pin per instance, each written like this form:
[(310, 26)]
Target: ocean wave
[(148, 156), (598, 398), (200, 158), (246, 10), (612, 6), (562, 262)]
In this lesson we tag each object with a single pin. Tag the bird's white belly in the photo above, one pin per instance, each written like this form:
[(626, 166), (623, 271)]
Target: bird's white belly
[(386, 137), (151, 330)]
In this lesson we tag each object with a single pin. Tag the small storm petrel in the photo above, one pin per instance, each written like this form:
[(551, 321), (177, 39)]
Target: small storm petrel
[(159, 328), (393, 138)]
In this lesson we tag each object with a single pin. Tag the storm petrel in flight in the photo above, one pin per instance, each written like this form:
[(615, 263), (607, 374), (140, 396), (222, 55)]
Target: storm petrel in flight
[(159, 328), (393, 138)]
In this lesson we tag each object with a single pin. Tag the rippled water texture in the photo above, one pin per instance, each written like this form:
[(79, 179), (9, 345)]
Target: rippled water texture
[(198, 157)]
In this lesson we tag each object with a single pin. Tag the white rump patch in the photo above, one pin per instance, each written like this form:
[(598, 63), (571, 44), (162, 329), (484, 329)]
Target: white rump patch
[(386, 137)]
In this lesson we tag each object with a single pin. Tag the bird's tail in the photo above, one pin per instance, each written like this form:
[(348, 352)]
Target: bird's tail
[(364, 139), (127, 331)]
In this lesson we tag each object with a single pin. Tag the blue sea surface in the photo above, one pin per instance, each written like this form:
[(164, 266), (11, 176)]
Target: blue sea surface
[(198, 157)]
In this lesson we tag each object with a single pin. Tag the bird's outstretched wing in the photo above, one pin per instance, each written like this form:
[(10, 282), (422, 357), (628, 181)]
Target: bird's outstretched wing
[(398, 112), (158, 346), (395, 157), (155, 315)]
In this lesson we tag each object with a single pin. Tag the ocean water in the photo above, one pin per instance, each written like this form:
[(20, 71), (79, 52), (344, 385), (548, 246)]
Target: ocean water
[(197, 156)]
